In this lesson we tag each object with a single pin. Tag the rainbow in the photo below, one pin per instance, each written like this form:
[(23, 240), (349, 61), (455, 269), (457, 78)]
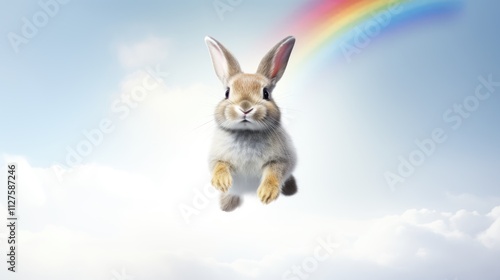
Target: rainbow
[(324, 27)]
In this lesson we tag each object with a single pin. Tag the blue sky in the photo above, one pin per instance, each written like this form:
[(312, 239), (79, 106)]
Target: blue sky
[(350, 120)]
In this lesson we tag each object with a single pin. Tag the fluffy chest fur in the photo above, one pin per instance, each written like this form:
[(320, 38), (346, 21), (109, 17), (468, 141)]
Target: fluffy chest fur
[(246, 151)]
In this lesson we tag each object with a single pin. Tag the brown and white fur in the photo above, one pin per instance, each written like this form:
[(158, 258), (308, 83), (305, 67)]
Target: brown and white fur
[(250, 151)]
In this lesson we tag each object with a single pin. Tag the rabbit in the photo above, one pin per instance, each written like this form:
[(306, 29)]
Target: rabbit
[(250, 150)]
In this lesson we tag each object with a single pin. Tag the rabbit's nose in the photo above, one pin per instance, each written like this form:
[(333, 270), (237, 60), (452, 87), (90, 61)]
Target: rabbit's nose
[(245, 107), (247, 111)]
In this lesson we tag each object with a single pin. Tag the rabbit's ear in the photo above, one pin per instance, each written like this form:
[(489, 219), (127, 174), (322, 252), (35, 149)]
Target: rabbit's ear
[(225, 64), (273, 65)]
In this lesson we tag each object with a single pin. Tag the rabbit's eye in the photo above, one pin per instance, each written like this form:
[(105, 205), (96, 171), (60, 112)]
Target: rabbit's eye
[(265, 94), (227, 93)]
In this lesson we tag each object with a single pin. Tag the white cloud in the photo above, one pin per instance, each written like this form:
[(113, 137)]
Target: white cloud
[(109, 219), (469, 222), (147, 52), (491, 237)]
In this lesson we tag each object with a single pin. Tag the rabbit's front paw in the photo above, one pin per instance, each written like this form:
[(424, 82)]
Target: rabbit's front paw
[(268, 191), (222, 180)]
